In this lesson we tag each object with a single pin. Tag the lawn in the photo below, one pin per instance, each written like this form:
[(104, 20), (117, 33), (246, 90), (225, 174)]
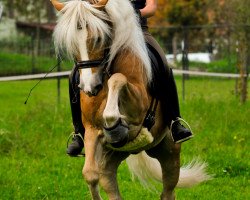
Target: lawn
[(16, 64), (33, 139)]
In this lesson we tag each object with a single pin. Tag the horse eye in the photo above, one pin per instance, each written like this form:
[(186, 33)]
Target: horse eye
[(99, 39), (79, 27)]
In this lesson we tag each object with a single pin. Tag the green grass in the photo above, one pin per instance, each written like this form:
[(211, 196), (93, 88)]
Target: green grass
[(222, 66), (33, 164), (15, 64)]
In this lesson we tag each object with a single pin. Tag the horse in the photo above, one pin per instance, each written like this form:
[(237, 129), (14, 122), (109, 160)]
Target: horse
[(106, 42)]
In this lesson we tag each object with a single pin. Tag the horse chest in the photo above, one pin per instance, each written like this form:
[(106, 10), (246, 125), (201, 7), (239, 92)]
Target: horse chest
[(92, 109)]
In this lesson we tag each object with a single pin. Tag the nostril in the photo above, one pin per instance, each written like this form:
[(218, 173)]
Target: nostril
[(97, 89), (89, 93)]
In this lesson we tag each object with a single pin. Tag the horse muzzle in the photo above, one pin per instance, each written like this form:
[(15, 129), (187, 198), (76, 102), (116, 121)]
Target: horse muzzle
[(117, 135)]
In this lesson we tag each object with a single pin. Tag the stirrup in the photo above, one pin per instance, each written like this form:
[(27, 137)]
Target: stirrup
[(178, 119), (72, 135)]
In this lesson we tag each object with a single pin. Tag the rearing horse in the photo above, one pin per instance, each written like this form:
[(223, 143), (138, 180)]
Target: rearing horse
[(106, 42)]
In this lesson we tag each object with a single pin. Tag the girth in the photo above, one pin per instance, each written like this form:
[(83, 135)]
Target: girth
[(149, 120)]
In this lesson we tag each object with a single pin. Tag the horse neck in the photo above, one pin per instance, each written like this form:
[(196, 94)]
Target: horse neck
[(127, 63)]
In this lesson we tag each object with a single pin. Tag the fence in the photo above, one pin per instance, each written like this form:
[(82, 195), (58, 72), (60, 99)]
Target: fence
[(221, 43), (227, 45), (64, 74)]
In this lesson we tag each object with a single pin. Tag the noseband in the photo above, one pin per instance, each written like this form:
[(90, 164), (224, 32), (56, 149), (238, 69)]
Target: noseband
[(93, 63)]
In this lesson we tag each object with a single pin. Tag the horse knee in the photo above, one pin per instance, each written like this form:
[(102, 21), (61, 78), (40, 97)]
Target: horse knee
[(91, 176), (117, 80)]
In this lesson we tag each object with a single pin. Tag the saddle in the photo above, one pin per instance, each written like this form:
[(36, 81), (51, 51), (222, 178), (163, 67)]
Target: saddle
[(159, 73)]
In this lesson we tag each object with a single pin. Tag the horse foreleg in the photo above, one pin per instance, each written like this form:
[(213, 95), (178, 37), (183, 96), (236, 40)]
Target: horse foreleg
[(108, 175), (94, 189), (168, 154), (90, 170), (124, 99)]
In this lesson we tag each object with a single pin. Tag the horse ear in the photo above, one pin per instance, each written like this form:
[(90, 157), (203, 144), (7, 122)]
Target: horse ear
[(59, 6), (100, 5)]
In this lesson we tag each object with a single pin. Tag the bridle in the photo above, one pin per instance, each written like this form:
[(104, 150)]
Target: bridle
[(95, 63)]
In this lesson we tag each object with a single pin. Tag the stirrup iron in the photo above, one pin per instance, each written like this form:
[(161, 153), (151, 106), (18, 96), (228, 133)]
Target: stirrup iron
[(72, 135), (178, 119)]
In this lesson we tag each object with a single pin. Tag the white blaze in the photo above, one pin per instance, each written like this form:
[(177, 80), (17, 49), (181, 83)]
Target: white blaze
[(111, 112), (86, 74)]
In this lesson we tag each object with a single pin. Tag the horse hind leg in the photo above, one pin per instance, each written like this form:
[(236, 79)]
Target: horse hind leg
[(168, 154)]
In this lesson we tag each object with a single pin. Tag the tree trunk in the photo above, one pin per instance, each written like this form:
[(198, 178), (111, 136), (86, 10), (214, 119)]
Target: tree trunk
[(174, 44), (10, 7), (51, 17)]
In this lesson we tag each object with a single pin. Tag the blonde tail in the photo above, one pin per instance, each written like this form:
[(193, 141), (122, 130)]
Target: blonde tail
[(148, 169)]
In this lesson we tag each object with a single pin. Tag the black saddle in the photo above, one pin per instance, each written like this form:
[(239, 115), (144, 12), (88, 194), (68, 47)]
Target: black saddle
[(159, 73)]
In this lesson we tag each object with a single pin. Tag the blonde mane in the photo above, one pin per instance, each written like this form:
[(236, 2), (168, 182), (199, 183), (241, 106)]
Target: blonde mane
[(125, 31)]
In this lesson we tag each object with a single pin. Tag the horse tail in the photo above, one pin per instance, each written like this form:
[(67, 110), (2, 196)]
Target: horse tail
[(148, 169)]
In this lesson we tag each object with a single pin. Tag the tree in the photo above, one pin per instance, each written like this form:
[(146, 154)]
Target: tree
[(30, 10), (187, 12), (184, 13), (241, 18), (1, 11), (178, 13), (160, 18), (236, 15)]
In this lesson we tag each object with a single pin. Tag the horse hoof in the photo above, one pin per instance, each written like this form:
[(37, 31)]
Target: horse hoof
[(117, 135)]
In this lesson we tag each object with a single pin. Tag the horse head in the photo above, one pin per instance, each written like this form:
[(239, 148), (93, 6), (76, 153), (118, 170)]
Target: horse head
[(82, 31)]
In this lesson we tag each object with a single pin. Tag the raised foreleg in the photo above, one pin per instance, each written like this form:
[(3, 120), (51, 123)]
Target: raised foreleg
[(126, 100)]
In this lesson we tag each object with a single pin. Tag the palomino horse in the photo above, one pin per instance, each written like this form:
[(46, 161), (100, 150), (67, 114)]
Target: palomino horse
[(106, 42)]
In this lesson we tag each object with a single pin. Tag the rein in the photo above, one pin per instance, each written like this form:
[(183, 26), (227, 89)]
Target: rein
[(41, 79)]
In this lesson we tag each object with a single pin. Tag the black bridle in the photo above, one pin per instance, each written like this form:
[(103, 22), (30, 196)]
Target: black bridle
[(93, 63)]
